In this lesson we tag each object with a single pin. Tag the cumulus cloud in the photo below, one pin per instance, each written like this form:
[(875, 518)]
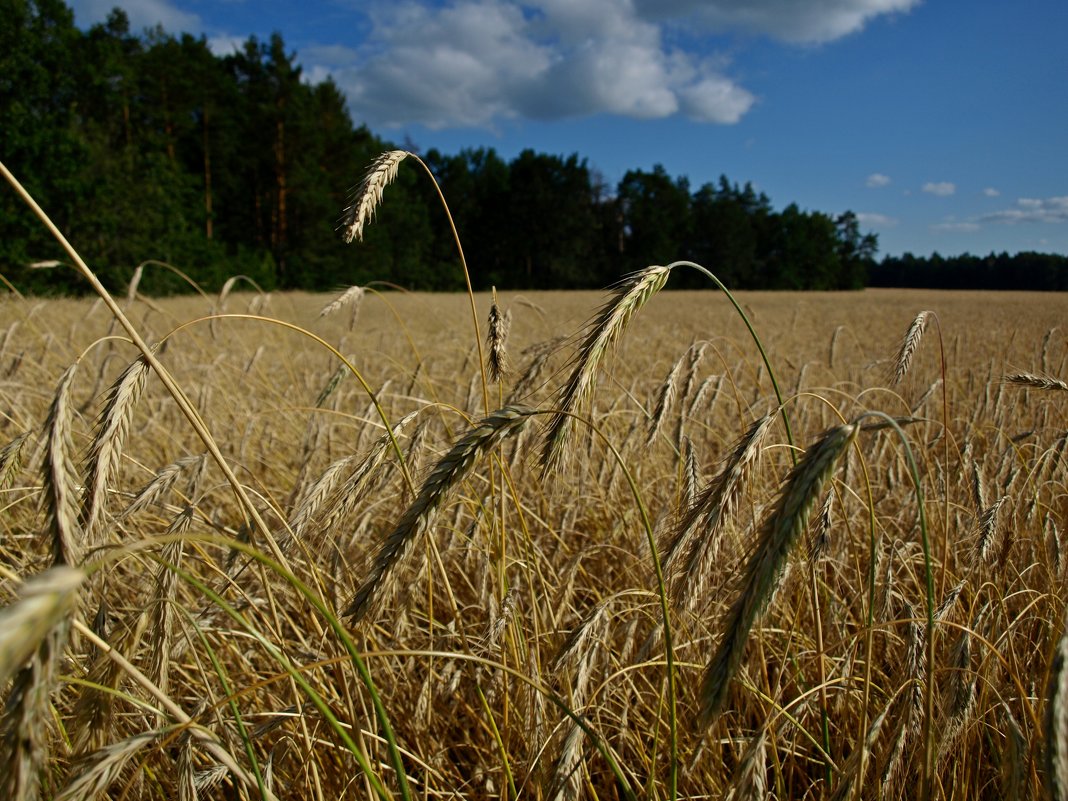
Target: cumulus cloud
[(877, 180), (797, 21), (142, 13), (876, 220), (991, 192), (955, 226), (1030, 210), (477, 62), (940, 188)]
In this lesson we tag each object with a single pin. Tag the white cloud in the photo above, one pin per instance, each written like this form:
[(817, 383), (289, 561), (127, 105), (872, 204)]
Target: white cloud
[(142, 13), (959, 227), (876, 220), (940, 188), (477, 62), (991, 192), (877, 179), (1047, 210), (798, 21)]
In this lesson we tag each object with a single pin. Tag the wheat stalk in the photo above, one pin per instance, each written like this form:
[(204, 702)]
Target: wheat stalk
[(778, 533), (630, 296), (420, 515), (369, 193)]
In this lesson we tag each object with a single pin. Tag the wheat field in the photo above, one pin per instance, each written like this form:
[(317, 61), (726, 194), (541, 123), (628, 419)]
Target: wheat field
[(332, 557)]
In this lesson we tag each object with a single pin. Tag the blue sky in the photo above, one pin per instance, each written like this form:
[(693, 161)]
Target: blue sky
[(944, 125)]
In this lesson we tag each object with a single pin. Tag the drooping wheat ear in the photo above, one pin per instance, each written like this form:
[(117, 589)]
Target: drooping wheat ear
[(509, 607), (356, 486), (42, 602), (851, 774), (330, 386), (106, 451), (495, 336), (986, 530), (61, 476), (93, 722), (1036, 381), (1014, 757), (155, 490), (697, 352), (353, 295), (689, 554), (1056, 725), (420, 515), (690, 475), (778, 534), (821, 541), (751, 776), (11, 460), (910, 344), (948, 602), (95, 773), (368, 194), (978, 485), (960, 694), (36, 625), (161, 607), (539, 356), (606, 329), (665, 399)]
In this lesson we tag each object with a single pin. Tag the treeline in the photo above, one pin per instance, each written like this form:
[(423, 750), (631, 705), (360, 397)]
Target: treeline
[(151, 147), (1025, 270)]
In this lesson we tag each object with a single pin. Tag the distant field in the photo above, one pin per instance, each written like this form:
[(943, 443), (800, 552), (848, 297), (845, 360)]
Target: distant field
[(512, 618)]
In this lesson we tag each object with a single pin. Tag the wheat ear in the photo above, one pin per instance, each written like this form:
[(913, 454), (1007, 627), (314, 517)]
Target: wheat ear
[(369, 193), (690, 552), (418, 518), (99, 770), (910, 344), (106, 451), (1036, 381), (606, 329), (164, 481), (61, 477), (665, 399), (778, 534), (43, 601), (495, 337), (353, 295), (1056, 725), (33, 631), (11, 460)]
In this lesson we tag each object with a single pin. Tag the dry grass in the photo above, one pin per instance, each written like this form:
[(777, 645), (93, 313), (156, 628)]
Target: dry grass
[(519, 652)]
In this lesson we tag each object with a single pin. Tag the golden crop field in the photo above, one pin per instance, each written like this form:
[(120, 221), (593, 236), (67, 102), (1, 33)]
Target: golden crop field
[(324, 560)]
